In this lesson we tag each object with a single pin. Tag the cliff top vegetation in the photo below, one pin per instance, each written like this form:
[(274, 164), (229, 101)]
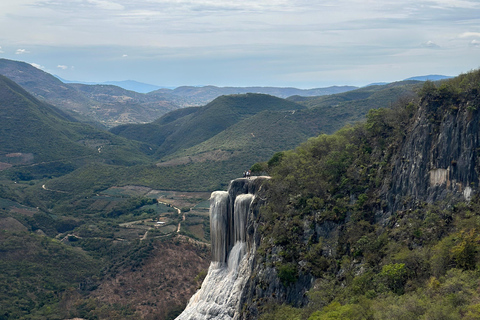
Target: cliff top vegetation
[(328, 217)]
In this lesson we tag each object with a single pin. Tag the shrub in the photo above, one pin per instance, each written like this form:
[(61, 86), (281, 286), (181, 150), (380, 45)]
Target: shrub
[(288, 274)]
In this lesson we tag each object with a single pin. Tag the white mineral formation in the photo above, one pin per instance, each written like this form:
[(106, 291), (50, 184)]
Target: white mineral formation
[(219, 296)]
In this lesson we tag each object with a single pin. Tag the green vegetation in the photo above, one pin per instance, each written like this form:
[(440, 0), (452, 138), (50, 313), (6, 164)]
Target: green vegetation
[(57, 258), (69, 222), (232, 133), (32, 132), (416, 264), (188, 129), (36, 273), (352, 106)]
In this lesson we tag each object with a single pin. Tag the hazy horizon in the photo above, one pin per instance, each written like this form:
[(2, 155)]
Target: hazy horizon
[(280, 43)]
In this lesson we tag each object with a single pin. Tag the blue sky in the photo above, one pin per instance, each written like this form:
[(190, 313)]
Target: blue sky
[(295, 43)]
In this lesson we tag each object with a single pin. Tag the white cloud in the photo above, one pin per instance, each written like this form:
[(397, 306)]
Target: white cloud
[(21, 51), (430, 44), (36, 65), (107, 5), (187, 33), (470, 35), (475, 43), (467, 4), (1, 51)]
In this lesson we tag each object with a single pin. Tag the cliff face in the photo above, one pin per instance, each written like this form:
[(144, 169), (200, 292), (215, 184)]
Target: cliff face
[(337, 198), (438, 159)]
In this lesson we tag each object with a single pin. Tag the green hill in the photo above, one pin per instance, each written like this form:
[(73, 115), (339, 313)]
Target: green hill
[(258, 137), (187, 128), (352, 106), (30, 126), (198, 146), (33, 132)]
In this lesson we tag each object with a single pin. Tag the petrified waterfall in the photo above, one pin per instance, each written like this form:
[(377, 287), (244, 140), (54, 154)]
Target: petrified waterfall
[(220, 294), (219, 203)]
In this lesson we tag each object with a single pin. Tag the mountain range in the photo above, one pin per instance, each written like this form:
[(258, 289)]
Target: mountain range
[(227, 135), (130, 85), (115, 103)]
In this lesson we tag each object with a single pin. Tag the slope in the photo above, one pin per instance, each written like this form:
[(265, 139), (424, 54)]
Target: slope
[(29, 126), (33, 132), (44, 86), (255, 138), (105, 104), (119, 106)]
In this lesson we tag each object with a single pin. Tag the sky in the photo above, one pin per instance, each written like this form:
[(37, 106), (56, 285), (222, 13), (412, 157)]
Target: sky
[(287, 43)]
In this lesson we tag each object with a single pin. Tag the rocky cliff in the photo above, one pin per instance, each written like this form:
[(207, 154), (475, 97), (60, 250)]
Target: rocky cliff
[(438, 159), (426, 152), (370, 212)]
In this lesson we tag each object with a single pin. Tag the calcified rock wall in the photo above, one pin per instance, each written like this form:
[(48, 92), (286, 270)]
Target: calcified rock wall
[(438, 159), (219, 207), (231, 214)]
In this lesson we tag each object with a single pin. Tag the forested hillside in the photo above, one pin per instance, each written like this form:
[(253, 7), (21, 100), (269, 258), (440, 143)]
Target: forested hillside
[(345, 242), (80, 249), (43, 133)]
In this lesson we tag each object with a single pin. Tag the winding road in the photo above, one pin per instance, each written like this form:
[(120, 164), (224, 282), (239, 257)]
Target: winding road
[(178, 211)]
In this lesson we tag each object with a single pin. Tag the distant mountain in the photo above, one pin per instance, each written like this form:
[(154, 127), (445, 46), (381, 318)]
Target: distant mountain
[(432, 77), (44, 86), (353, 105), (196, 96), (132, 85), (119, 106), (112, 105), (106, 104), (376, 84)]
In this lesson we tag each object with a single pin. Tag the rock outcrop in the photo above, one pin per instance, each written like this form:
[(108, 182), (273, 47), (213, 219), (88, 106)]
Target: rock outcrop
[(438, 159)]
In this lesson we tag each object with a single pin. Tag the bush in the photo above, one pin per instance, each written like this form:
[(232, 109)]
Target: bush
[(288, 274), (394, 276)]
